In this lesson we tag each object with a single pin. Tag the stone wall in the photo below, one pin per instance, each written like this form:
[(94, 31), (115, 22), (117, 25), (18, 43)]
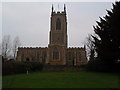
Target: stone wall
[(32, 54), (76, 56), (69, 56)]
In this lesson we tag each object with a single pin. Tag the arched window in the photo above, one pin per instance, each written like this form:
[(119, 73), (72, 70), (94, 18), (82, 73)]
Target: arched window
[(55, 54), (58, 24)]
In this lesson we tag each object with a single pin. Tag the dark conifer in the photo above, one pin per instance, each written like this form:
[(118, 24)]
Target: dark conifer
[(107, 44)]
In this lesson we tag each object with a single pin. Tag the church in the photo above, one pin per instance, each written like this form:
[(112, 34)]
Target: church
[(57, 52)]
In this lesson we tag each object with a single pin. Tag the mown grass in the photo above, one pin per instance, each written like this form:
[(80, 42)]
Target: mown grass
[(0, 81), (62, 80)]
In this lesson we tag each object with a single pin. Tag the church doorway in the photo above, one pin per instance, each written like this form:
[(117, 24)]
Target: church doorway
[(27, 59)]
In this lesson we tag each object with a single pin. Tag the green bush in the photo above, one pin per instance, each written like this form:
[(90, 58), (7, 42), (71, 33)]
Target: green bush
[(83, 66), (96, 65), (33, 66), (13, 67), (99, 66)]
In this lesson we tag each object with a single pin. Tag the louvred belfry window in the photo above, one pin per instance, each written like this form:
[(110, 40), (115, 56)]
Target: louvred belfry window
[(58, 24)]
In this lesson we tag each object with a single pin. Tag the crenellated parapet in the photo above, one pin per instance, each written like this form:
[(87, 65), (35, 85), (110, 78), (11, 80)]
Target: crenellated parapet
[(32, 47), (76, 48), (58, 12)]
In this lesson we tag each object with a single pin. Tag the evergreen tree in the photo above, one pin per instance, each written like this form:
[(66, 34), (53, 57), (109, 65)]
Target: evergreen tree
[(107, 42)]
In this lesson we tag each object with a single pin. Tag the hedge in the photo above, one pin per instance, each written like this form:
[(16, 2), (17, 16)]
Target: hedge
[(12, 67)]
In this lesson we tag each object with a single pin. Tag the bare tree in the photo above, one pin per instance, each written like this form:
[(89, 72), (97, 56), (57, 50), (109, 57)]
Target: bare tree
[(90, 47), (6, 46), (16, 44), (0, 48)]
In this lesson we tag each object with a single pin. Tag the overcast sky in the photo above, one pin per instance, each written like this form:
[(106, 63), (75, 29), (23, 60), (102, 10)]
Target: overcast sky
[(31, 20)]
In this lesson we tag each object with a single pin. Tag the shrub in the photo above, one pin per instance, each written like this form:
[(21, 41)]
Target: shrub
[(96, 65), (83, 65), (34, 66)]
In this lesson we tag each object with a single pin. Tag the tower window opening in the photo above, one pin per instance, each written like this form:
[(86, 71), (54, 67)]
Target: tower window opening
[(58, 24)]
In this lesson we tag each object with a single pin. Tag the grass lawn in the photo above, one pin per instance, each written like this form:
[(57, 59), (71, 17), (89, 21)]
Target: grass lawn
[(62, 80), (0, 81)]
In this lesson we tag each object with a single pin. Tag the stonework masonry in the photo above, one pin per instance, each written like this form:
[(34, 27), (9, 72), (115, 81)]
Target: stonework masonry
[(57, 52)]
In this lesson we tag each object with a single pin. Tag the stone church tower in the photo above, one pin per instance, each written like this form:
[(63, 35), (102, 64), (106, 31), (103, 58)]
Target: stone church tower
[(57, 52), (58, 37)]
